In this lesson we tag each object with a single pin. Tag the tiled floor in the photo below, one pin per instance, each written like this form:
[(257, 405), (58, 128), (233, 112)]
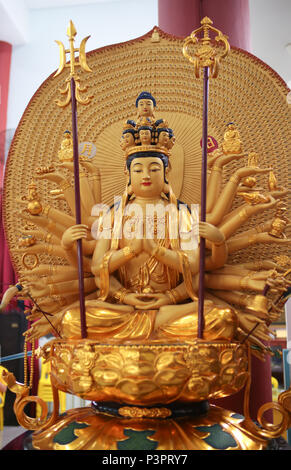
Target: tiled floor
[(9, 433)]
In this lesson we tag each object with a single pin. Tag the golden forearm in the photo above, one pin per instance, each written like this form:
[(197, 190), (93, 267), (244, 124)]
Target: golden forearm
[(86, 195), (168, 257), (95, 185), (69, 194), (233, 297), (224, 201), (213, 188), (72, 257), (239, 218), (46, 224), (229, 282), (218, 256), (71, 287), (58, 216)]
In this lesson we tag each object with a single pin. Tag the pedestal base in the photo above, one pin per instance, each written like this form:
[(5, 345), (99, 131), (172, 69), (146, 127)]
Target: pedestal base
[(86, 429)]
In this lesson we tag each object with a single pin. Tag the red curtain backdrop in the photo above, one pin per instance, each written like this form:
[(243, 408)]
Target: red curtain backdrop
[(7, 275), (232, 17)]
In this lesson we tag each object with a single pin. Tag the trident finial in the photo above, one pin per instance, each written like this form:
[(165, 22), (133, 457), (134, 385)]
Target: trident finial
[(71, 33), (206, 55)]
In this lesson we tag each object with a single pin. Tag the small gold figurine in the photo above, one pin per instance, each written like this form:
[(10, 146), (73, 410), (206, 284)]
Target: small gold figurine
[(65, 153), (254, 197), (34, 206), (26, 240), (231, 142), (253, 161), (272, 183), (280, 222)]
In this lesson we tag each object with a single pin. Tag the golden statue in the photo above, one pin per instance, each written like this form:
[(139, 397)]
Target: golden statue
[(141, 266), (146, 288), (141, 276)]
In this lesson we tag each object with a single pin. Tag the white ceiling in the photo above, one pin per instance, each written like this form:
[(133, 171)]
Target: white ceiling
[(270, 26), (36, 4)]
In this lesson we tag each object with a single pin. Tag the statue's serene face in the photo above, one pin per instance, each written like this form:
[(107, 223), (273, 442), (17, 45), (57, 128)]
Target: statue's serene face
[(147, 177), (145, 108), (164, 138), (128, 138), (145, 136)]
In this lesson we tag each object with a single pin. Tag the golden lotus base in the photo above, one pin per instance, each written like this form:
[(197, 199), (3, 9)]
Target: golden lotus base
[(86, 429), (148, 373)]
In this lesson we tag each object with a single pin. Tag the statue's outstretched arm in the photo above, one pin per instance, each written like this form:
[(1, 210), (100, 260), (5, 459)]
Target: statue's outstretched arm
[(244, 241), (225, 200), (215, 179), (241, 216)]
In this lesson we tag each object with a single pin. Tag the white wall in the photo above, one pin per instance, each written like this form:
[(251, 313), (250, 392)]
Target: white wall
[(271, 32), (107, 23), (114, 21)]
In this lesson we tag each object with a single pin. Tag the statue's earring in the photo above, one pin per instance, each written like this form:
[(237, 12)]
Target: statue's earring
[(128, 184), (166, 188), (129, 190)]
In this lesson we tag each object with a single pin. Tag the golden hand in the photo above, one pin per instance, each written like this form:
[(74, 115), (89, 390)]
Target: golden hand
[(149, 245), (264, 237), (137, 245), (224, 159), (147, 301), (73, 233), (211, 233), (54, 176), (42, 327), (279, 193), (247, 321), (249, 170), (39, 288)]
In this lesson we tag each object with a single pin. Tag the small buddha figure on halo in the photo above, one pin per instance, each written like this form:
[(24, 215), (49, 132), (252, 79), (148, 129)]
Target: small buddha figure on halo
[(231, 142), (65, 153)]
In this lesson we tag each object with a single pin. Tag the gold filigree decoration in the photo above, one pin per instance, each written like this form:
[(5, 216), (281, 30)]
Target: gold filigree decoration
[(206, 55), (135, 412)]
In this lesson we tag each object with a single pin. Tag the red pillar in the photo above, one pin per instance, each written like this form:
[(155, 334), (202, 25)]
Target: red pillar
[(5, 61), (180, 18), (232, 17), (7, 275)]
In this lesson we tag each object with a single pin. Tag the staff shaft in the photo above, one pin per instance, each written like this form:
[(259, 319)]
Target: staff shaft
[(78, 209), (203, 203)]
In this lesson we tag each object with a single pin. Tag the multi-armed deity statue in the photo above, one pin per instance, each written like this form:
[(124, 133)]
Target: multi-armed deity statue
[(141, 255)]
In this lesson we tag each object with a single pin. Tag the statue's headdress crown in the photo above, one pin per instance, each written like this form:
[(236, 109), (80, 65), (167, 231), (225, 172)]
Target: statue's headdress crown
[(153, 144)]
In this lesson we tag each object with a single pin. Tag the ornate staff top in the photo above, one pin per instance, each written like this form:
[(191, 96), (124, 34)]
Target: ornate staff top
[(73, 64), (206, 55)]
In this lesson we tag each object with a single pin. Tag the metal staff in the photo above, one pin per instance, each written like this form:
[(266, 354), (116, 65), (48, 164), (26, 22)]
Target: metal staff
[(73, 91), (206, 57)]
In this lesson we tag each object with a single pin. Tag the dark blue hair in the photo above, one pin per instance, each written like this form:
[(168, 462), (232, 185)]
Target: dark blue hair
[(161, 156), (145, 95)]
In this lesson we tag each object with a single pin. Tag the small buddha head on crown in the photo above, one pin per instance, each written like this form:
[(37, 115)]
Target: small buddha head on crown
[(128, 135), (145, 104)]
